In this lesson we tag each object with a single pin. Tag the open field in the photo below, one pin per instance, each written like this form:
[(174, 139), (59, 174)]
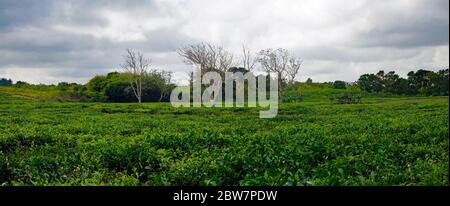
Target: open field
[(384, 141)]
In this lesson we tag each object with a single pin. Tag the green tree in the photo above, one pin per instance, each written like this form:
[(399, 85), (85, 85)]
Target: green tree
[(439, 82), (420, 81), (5, 82), (338, 84), (21, 84), (370, 83), (390, 81), (119, 92), (97, 84)]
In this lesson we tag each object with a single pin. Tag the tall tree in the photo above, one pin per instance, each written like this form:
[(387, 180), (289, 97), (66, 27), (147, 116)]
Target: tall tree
[(282, 63), (274, 61), (370, 83), (293, 68), (248, 60), (390, 81), (137, 67)]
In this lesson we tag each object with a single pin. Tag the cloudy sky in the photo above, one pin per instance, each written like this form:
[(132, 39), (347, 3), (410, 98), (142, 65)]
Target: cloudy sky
[(49, 41)]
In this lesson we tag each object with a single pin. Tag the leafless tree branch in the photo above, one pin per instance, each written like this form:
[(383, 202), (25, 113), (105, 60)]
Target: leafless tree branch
[(208, 56), (248, 60), (137, 67)]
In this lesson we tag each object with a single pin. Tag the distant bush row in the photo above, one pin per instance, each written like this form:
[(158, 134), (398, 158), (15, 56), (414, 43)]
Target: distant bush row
[(5, 82), (113, 87), (422, 82)]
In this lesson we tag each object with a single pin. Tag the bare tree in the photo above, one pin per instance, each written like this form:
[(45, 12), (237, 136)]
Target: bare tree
[(208, 56), (195, 54), (248, 60), (274, 61), (137, 67), (281, 62), (293, 68)]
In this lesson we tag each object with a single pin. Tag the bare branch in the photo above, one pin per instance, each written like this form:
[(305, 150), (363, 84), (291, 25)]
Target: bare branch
[(293, 68), (247, 59), (207, 56), (279, 61), (137, 67)]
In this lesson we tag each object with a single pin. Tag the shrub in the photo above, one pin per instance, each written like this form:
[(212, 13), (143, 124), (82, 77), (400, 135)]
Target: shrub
[(348, 98), (5, 172), (115, 87), (5, 82), (21, 84), (339, 84), (294, 98), (119, 92)]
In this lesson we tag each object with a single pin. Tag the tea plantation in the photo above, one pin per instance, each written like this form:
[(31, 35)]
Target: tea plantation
[(382, 141)]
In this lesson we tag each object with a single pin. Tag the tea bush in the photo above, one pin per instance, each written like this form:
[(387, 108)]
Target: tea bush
[(382, 141)]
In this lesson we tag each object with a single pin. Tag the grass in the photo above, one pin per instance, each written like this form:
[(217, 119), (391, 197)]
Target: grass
[(36, 92), (384, 141)]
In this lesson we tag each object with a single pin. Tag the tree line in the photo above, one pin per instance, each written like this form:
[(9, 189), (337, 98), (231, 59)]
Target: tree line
[(421, 82), (140, 82), (5, 82)]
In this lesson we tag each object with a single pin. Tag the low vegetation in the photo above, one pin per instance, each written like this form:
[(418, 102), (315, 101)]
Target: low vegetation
[(380, 130), (382, 141)]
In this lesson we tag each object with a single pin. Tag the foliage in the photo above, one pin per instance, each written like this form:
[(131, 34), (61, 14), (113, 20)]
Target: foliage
[(119, 92), (5, 82), (21, 84), (293, 96), (339, 84), (383, 141), (422, 82), (320, 92), (115, 87)]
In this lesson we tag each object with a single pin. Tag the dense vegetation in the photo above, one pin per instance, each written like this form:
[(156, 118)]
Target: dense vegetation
[(5, 82), (113, 87), (383, 141), (384, 138), (422, 82)]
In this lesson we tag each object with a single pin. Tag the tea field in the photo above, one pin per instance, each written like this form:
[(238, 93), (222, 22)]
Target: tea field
[(383, 141)]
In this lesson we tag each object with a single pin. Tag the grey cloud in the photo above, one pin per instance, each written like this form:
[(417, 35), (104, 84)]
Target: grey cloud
[(62, 50), (426, 24), (398, 37), (20, 13), (408, 34)]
